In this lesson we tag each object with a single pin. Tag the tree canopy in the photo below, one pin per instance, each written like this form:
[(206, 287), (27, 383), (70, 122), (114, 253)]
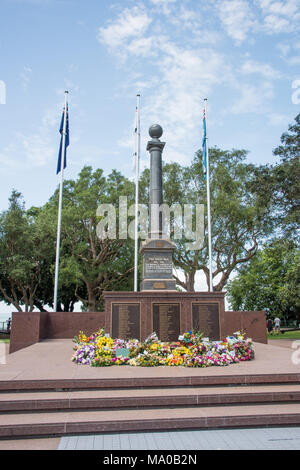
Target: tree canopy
[(270, 282), (241, 212), (287, 180)]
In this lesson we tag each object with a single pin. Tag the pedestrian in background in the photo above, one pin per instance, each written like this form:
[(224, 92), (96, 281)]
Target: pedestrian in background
[(270, 325), (277, 324)]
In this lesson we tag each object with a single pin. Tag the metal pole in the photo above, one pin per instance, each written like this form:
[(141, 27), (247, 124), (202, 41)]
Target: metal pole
[(208, 206), (137, 170), (63, 147)]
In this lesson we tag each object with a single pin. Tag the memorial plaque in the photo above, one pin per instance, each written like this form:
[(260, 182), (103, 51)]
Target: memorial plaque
[(166, 321), (126, 321), (205, 318), (158, 265), (159, 285), (159, 244), (122, 352)]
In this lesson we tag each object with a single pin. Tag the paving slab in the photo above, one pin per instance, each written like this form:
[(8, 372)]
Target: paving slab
[(30, 444), (282, 343), (272, 438)]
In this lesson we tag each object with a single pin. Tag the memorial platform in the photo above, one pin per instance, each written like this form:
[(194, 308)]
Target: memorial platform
[(44, 394)]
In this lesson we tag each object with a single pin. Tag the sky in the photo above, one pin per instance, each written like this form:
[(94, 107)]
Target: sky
[(242, 55)]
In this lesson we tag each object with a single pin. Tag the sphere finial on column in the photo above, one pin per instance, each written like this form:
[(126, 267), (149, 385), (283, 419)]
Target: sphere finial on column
[(155, 131)]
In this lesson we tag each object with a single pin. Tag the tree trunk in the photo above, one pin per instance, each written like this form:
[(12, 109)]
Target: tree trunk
[(92, 301), (190, 281)]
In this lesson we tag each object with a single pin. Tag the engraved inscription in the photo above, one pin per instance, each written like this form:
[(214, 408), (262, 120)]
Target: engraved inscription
[(126, 321), (166, 321), (205, 318), (158, 265)]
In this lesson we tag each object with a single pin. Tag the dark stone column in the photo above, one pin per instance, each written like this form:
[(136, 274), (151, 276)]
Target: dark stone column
[(157, 250), (155, 147)]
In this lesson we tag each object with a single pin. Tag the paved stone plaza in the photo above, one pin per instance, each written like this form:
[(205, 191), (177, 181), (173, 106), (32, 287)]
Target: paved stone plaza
[(230, 439)]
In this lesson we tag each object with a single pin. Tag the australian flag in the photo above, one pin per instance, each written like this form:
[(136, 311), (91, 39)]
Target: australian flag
[(61, 141), (204, 162)]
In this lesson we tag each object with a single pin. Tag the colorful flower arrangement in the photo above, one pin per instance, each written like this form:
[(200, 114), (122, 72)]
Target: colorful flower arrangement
[(191, 350)]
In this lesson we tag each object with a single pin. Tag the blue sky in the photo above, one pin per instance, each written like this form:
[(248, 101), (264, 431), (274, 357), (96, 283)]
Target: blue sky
[(244, 56)]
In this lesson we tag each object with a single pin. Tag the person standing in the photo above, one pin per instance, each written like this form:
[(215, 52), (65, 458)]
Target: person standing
[(277, 324), (270, 325)]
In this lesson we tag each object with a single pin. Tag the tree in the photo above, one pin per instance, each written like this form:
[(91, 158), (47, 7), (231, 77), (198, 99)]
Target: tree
[(270, 282), (23, 256), (241, 203), (88, 262), (44, 220), (287, 179)]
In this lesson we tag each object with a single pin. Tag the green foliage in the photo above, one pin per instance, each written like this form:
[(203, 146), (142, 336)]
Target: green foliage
[(287, 179), (270, 282), (241, 211), (89, 263), (23, 255)]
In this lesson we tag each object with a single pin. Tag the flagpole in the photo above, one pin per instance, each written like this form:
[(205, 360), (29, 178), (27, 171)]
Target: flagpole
[(63, 149), (137, 170), (208, 206)]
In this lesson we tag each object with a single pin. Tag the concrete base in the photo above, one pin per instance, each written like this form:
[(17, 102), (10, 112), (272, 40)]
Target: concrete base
[(252, 323), (30, 328), (158, 285)]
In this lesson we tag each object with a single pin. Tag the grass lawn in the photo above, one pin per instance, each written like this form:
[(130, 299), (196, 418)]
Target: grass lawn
[(286, 335), (4, 340)]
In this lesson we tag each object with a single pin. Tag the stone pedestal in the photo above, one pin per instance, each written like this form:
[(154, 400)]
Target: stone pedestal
[(167, 313), (157, 265)]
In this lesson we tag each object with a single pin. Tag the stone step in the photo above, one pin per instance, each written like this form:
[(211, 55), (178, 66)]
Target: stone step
[(145, 398), (147, 382), (75, 422)]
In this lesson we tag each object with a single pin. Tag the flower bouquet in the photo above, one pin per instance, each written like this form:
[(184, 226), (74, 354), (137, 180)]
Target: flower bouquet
[(191, 350)]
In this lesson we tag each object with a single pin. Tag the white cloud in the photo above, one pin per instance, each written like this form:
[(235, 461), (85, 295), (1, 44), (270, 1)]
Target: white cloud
[(266, 70), (284, 48), (164, 6), (275, 7), (275, 24), (280, 16), (25, 76), (7, 157), (237, 18), (35, 149), (278, 119), (188, 68), (162, 2), (288, 51), (253, 98), (143, 47), (179, 80), (131, 24), (38, 149), (294, 60)]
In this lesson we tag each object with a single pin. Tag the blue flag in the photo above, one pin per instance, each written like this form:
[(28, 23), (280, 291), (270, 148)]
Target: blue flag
[(204, 162), (61, 141)]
